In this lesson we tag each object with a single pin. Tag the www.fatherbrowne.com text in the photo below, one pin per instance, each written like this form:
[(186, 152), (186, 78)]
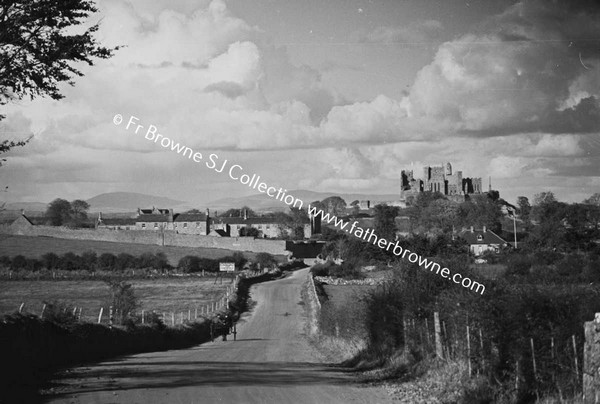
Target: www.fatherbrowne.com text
[(236, 173)]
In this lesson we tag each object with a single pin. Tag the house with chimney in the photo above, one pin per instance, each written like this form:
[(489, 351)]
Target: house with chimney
[(482, 241), (160, 219), (267, 227)]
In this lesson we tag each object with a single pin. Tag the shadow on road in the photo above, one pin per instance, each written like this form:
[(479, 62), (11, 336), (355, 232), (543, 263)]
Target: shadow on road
[(169, 374)]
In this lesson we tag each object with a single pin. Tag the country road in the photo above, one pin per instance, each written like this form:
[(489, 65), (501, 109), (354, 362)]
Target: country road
[(271, 362)]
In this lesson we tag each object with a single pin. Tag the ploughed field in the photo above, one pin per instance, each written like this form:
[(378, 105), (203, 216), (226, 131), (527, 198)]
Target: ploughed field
[(160, 294), (35, 247)]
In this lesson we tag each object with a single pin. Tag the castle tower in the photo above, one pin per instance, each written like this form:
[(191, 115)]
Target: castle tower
[(448, 169)]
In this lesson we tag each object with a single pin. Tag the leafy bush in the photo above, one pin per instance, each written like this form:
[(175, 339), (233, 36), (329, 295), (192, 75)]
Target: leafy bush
[(237, 258), (189, 264), (124, 261), (123, 300), (51, 261), (18, 262), (265, 260), (59, 313), (89, 260), (518, 264), (107, 261), (33, 265), (322, 269), (209, 265)]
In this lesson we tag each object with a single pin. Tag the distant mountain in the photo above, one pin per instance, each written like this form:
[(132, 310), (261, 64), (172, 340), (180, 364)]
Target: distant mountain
[(263, 202), (26, 206), (129, 201)]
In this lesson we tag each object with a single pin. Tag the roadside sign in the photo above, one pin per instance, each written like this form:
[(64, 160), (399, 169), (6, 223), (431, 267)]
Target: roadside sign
[(226, 266)]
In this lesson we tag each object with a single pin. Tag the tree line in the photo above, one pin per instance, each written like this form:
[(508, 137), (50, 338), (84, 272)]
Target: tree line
[(91, 261)]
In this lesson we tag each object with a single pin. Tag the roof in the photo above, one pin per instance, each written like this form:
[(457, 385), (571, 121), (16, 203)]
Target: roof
[(189, 217), (21, 218), (121, 221), (487, 237), (157, 211), (241, 220), (218, 233), (152, 218)]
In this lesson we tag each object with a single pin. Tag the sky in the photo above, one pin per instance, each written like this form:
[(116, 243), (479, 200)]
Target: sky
[(335, 96)]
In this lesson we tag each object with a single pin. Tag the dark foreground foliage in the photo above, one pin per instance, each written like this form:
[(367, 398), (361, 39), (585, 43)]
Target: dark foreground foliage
[(32, 349)]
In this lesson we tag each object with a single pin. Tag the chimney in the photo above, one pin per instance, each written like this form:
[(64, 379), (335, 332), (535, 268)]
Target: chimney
[(471, 229), (23, 212), (245, 214), (207, 212), (170, 218), (484, 229), (100, 216)]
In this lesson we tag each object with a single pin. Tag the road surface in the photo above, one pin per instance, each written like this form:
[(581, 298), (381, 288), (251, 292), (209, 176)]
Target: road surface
[(271, 362)]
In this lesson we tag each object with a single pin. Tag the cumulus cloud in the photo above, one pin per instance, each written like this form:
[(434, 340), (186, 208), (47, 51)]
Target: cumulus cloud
[(204, 78), (414, 33), (521, 74)]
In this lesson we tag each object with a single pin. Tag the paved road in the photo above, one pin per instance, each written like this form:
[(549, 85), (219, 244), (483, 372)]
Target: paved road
[(271, 362)]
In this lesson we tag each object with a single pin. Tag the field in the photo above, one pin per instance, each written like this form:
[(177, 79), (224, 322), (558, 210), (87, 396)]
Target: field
[(343, 314), (342, 295), (35, 247), (160, 294)]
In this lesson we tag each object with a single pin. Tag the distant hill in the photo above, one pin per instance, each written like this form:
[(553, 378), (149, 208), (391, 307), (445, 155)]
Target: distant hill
[(261, 202), (26, 206), (129, 201)]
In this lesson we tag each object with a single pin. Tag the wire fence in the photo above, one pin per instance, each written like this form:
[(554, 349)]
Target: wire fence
[(108, 315)]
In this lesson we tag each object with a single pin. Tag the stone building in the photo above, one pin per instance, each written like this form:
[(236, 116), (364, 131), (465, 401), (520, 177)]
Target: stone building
[(160, 219), (439, 179)]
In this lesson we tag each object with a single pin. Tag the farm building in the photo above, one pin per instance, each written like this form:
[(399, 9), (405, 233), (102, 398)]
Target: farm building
[(483, 240)]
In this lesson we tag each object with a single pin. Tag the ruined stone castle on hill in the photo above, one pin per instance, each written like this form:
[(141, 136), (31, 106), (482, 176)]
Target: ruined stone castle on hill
[(439, 179)]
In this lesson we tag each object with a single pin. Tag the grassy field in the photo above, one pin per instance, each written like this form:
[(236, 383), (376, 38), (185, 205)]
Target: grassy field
[(342, 295), (35, 247), (160, 294)]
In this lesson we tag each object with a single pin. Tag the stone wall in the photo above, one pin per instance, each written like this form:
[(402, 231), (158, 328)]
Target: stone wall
[(166, 238)]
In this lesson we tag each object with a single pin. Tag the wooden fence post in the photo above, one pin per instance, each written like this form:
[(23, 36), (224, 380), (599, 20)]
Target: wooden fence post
[(591, 361), (100, 315), (533, 359), (469, 349), (575, 356), (439, 350), (404, 334), (482, 349), (21, 307), (143, 317), (43, 310), (173, 318)]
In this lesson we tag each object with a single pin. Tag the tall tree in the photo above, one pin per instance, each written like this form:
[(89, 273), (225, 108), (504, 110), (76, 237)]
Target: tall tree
[(385, 221), (59, 212), (544, 198), (39, 49), (593, 200), (79, 209), (334, 205), (524, 207)]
